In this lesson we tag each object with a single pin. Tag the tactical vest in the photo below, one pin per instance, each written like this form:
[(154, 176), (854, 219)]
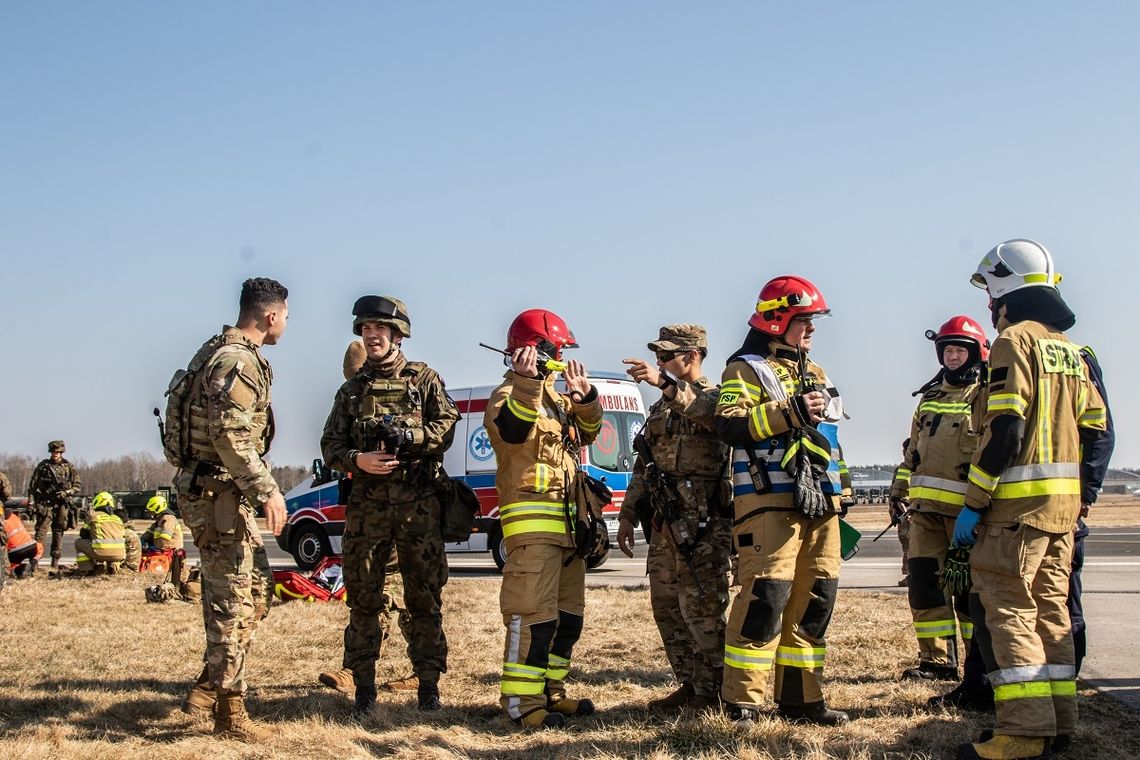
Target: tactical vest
[(394, 401), (45, 486), (682, 446), (255, 371)]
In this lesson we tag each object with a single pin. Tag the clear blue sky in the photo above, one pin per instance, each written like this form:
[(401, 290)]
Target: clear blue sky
[(625, 164)]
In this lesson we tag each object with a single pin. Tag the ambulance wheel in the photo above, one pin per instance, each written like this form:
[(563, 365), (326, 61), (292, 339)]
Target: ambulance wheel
[(310, 546), (498, 546)]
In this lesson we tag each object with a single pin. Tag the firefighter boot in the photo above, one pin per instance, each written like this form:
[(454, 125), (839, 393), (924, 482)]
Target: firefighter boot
[(569, 707), (967, 696), (410, 683), (201, 699), (817, 713), (233, 722), (928, 671), (341, 680), (427, 696), (673, 702), (1002, 747), (539, 719)]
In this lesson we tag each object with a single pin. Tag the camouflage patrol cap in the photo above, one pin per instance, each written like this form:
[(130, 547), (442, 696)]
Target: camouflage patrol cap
[(383, 309), (55, 446), (680, 338)]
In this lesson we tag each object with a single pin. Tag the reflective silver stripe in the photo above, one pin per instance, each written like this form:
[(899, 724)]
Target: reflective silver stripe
[(1041, 472), (942, 484), (514, 632), (775, 477), (1022, 674)]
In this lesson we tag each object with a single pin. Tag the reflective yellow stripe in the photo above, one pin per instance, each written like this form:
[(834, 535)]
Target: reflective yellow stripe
[(737, 387), (1049, 487), (903, 474), (559, 668), (590, 427), (947, 407), (1026, 690), (1063, 688), (800, 657), (533, 526), (748, 659), (533, 517), (519, 679), (1093, 418), (108, 543), (967, 629), (982, 479), (934, 629), (758, 422), (524, 413), (1044, 423), (937, 494), (790, 454), (167, 536), (541, 478), (1007, 402)]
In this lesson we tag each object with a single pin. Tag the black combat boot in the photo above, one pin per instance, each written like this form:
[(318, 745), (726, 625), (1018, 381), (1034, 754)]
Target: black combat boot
[(364, 702), (428, 697), (928, 671), (817, 713), (966, 696)]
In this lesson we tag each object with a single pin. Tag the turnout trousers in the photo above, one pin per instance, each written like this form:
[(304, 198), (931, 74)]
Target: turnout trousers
[(691, 625), (542, 600), (789, 573), (933, 612), (1021, 582)]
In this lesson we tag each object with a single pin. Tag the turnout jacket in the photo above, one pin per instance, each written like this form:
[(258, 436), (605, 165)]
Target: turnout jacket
[(536, 433), (1041, 407), (164, 533), (944, 435), (759, 427)]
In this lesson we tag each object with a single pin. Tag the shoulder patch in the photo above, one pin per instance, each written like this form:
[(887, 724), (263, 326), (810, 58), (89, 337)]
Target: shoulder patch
[(999, 374)]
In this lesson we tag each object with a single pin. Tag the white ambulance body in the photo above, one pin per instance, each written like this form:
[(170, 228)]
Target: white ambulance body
[(316, 510)]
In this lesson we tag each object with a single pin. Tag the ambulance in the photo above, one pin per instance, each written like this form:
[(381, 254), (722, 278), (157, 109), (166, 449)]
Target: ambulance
[(315, 525)]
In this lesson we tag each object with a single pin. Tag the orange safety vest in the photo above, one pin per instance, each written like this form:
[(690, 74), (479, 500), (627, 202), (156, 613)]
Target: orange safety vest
[(18, 536)]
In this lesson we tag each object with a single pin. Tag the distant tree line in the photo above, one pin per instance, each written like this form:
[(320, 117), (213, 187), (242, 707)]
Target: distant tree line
[(139, 471)]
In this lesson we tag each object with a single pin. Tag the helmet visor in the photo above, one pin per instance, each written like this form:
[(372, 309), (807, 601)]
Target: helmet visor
[(979, 281)]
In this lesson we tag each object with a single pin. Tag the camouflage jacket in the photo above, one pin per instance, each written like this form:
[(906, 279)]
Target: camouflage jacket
[(45, 490), (5, 489), (409, 396), (684, 443), (231, 417)]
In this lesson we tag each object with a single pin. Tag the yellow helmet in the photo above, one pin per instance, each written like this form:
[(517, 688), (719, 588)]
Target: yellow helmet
[(156, 504), (103, 500)]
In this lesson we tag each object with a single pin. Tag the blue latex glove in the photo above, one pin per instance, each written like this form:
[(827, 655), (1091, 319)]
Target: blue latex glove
[(965, 525)]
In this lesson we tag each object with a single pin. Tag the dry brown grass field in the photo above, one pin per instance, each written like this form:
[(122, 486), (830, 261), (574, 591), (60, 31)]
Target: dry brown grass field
[(90, 670)]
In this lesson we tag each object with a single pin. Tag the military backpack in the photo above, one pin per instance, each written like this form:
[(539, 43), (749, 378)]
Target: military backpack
[(174, 426)]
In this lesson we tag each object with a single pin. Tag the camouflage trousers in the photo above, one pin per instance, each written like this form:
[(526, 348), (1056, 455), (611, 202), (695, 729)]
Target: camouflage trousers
[(373, 531), (55, 517), (393, 603), (236, 582), (691, 624)]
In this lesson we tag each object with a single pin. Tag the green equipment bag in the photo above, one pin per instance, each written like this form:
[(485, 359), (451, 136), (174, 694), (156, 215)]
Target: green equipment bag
[(848, 540)]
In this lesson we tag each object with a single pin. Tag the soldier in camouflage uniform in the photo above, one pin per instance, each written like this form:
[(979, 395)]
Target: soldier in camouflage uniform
[(341, 680), (679, 431), (389, 427), (5, 494), (54, 482), (230, 429)]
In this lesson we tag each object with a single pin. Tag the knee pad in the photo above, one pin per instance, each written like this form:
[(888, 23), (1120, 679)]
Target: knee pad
[(817, 616), (922, 584), (769, 598)]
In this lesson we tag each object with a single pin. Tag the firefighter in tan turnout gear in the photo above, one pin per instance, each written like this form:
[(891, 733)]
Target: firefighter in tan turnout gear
[(944, 434), (536, 433), (778, 412), (688, 581), (1022, 503), (101, 542)]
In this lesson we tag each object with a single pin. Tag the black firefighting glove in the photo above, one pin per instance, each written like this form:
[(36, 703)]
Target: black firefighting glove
[(955, 576)]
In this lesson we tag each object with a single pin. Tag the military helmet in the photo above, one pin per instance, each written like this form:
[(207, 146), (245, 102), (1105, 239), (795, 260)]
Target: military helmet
[(156, 504), (383, 309), (103, 500), (55, 446)]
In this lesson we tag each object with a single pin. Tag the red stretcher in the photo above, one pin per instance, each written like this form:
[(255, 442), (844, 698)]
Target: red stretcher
[(322, 583)]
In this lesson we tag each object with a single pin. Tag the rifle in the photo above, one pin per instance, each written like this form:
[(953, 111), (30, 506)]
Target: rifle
[(546, 351), (663, 497), (71, 521)]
